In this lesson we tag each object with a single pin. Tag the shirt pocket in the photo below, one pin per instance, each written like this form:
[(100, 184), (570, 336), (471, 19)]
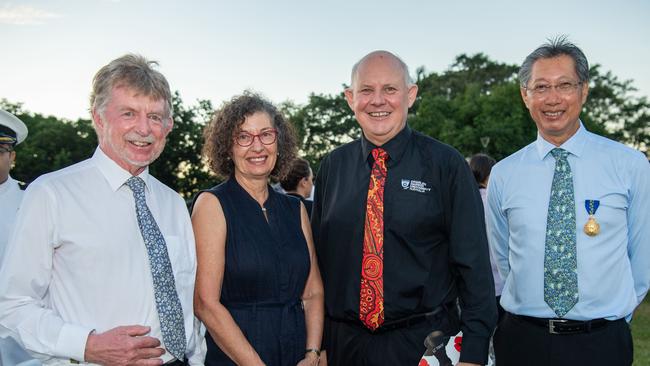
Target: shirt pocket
[(612, 210), (418, 216), (180, 258)]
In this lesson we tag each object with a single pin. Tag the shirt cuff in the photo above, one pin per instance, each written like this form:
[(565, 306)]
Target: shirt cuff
[(72, 342), (474, 350)]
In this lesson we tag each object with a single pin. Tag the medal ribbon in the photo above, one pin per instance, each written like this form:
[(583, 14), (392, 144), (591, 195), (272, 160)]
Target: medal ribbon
[(592, 206)]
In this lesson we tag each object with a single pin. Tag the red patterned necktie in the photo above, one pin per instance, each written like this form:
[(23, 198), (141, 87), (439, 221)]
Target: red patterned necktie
[(371, 300)]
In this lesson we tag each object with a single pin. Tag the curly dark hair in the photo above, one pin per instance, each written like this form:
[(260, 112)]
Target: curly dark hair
[(299, 170), (219, 134)]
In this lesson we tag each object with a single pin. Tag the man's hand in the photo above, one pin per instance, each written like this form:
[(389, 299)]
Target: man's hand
[(123, 346)]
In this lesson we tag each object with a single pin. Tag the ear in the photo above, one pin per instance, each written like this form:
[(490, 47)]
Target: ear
[(97, 120), (12, 156), (169, 126), (349, 97), (585, 91), (412, 94), (524, 96)]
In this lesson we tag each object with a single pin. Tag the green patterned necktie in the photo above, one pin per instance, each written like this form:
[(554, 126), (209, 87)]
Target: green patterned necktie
[(560, 262)]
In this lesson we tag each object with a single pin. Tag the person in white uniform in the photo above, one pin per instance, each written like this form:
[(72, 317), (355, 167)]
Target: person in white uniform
[(102, 254), (12, 132)]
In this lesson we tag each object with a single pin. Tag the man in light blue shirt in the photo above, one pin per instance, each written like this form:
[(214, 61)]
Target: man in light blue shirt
[(574, 273)]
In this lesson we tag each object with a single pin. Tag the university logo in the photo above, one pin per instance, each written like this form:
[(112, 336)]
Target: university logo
[(415, 185)]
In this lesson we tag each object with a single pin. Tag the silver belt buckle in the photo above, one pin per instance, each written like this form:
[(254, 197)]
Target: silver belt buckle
[(551, 325)]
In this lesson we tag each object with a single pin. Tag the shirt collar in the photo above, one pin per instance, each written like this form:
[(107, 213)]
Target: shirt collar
[(115, 175), (574, 145), (4, 187), (395, 147)]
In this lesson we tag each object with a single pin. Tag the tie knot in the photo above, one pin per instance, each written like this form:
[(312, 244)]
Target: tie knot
[(379, 154), (136, 184), (559, 154)]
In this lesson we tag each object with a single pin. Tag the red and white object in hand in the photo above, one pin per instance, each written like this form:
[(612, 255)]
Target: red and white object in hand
[(440, 354)]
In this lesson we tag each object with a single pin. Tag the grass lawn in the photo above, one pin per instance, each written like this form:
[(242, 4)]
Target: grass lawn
[(641, 334)]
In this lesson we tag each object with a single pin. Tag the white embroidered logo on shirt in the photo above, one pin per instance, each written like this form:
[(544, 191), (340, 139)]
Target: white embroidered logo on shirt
[(415, 186)]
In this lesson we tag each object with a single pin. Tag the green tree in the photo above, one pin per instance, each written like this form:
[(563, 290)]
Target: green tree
[(613, 110), (324, 123), (51, 144), (475, 99)]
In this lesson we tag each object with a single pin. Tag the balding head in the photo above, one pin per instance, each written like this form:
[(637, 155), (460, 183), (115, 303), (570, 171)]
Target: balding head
[(380, 54), (380, 95)]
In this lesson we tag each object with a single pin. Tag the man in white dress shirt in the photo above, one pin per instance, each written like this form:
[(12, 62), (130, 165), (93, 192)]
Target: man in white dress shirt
[(12, 132), (79, 287)]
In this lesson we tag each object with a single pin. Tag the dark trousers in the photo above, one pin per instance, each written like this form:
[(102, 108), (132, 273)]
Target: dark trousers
[(351, 344), (519, 342)]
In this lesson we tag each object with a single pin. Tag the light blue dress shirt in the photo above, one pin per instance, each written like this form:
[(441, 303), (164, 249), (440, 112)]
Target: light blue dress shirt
[(613, 266)]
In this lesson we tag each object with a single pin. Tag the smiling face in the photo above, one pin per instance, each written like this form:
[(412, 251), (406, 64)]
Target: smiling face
[(132, 128), (380, 97), (256, 160), (555, 114)]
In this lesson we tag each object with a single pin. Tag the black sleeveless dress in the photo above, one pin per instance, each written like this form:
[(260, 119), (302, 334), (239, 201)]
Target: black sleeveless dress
[(267, 264)]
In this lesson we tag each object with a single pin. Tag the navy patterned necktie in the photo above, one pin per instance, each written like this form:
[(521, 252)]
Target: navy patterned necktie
[(168, 305), (560, 261)]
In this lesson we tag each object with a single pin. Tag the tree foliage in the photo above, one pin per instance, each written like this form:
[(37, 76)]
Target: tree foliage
[(51, 144), (475, 99), (324, 123)]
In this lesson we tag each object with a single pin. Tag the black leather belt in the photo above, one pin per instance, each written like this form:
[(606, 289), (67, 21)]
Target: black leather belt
[(411, 320), (406, 322), (564, 326)]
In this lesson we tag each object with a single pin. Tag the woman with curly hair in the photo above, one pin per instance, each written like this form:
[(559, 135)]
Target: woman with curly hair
[(258, 288)]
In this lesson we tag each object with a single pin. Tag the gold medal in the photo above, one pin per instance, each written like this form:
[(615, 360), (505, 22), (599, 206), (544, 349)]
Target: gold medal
[(592, 228)]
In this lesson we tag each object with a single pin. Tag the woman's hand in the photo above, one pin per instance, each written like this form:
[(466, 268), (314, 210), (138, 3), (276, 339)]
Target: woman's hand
[(311, 359)]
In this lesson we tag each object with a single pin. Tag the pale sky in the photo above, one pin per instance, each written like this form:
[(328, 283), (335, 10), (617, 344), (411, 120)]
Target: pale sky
[(287, 49)]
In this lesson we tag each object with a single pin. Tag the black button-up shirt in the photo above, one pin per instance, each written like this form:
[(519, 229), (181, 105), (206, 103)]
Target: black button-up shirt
[(435, 247)]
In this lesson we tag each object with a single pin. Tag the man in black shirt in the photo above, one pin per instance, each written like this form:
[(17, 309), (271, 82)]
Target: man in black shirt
[(431, 245)]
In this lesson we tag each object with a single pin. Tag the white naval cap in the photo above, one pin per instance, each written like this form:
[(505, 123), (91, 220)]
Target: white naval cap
[(12, 130)]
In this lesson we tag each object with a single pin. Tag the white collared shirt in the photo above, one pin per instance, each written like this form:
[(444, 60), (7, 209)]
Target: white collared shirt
[(79, 263), (10, 197)]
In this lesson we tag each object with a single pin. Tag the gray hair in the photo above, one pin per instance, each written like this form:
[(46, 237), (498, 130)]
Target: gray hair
[(405, 69), (133, 71), (558, 46)]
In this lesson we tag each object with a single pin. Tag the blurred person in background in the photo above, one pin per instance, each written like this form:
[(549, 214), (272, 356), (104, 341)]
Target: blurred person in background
[(299, 182), (12, 132), (481, 165)]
